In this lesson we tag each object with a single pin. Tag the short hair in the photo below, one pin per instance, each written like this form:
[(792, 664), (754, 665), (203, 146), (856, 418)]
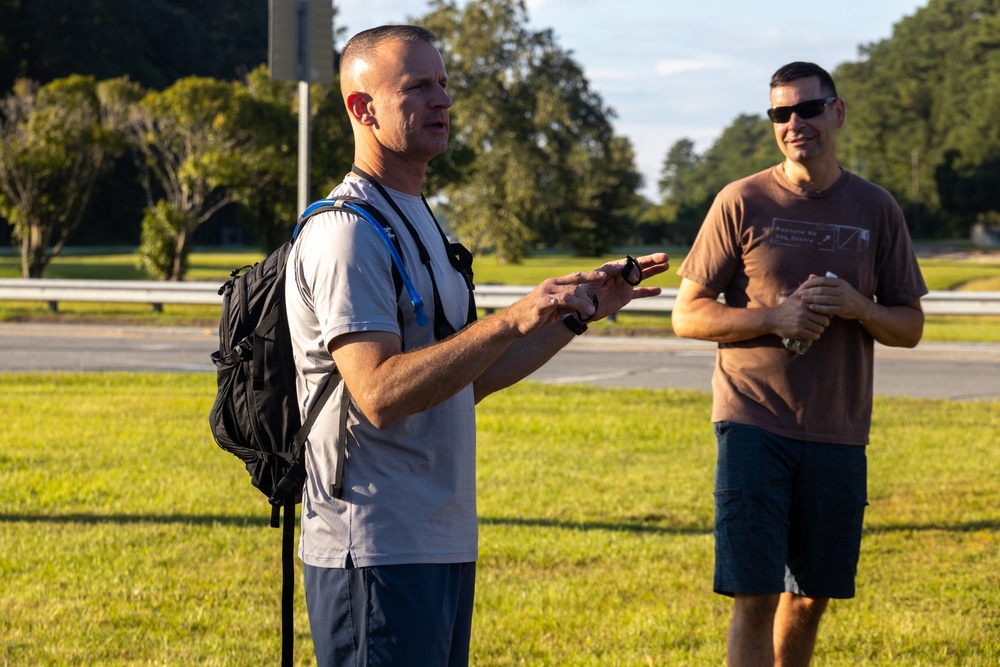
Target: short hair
[(367, 41), (801, 70)]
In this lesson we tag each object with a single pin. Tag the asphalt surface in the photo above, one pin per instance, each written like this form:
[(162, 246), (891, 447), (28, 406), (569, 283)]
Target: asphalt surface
[(960, 371)]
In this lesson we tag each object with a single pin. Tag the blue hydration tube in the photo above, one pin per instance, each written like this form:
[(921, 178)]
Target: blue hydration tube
[(415, 299)]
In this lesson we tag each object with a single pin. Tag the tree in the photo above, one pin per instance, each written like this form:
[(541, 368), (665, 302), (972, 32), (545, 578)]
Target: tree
[(678, 168), (689, 182), (189, 142), (921, 113), (268, 195), (54, 143), (745, 147), (528, 134), (921, 109), (608, 203)]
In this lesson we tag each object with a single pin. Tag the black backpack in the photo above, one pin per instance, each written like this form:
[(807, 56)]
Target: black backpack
[(255, 414)]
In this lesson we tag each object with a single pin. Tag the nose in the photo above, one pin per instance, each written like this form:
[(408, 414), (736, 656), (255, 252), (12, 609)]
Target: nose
[(442, 99), (795, 120)]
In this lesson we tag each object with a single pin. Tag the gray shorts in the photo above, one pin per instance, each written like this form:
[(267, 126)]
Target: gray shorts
[(788, 514)]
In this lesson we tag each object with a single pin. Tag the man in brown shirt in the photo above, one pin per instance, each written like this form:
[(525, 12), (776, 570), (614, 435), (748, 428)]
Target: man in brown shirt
[(815, 265)]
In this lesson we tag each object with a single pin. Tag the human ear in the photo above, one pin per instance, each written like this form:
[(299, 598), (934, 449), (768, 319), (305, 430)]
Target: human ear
[(359, 107), (840, 109)]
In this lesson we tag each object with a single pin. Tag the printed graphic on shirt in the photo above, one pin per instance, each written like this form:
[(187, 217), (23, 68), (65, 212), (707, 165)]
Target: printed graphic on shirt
[(798, 234)]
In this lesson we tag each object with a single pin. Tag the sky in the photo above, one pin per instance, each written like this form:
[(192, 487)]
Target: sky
[(676, 69)]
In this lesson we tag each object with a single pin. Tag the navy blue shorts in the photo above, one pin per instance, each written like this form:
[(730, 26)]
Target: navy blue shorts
[(788, 514), (399, 615)]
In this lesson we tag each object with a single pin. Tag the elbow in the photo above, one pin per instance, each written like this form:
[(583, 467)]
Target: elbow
[(913, 340), (680, 322), (915, 331), (383, 407), (908, 343), (379, 412), (382, 420), (906, 338)]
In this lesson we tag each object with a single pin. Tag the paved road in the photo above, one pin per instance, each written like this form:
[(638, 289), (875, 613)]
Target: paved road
[(932, 370)]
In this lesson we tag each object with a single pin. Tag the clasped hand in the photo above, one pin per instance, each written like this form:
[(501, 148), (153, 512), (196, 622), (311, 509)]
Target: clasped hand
[(816, 302)]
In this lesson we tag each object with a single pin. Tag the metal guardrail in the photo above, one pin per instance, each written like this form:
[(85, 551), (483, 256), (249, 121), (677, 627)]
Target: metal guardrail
[(488, 297), (109, 291)]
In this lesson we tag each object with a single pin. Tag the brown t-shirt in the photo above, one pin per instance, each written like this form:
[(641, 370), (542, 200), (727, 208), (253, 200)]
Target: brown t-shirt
[(761, 239)]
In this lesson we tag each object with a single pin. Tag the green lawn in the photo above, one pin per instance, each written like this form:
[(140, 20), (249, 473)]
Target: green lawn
[(129, 538)]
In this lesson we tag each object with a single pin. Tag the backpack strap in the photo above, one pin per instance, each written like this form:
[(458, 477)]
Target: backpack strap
[(288, 583), (296, 473), (374, 217), (282, 497), (458, 256)]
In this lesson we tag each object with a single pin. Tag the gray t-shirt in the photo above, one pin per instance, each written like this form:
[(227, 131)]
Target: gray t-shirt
[(409, 489)]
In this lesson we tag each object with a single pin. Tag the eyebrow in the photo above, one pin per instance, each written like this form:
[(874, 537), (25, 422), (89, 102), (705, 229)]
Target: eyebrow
[(422, 80)]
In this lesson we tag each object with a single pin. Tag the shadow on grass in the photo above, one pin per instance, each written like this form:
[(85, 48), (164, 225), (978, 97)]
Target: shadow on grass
[(627, 527), (959, 527), (659, 528), (125, 519), (264, 520)]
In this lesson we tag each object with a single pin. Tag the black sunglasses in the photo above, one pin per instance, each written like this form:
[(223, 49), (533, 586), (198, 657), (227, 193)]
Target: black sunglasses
[(807, 109)]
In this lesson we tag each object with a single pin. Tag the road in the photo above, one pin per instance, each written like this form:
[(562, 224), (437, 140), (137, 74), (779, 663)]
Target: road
[(960, 371)]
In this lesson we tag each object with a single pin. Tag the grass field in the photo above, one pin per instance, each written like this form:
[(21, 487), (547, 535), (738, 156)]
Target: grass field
[(129, 538)]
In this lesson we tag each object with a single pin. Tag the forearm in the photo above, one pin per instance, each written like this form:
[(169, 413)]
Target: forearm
[(608, 296), (388, 387), (708, 319), (522, 358), (491, 353), (894, 326)]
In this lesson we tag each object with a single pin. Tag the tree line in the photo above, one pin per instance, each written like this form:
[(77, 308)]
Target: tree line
[(533, 158), (157, 131), (921, 122)]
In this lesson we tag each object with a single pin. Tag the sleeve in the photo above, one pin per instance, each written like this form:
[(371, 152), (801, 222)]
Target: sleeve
[(899, 278), (714, 256), (345, 274)]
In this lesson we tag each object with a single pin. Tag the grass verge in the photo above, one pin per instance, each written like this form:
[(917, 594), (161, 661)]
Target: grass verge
[(129, 538)]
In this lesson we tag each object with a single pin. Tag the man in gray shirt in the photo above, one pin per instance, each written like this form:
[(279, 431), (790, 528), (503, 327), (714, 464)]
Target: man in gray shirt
[(390, 565)]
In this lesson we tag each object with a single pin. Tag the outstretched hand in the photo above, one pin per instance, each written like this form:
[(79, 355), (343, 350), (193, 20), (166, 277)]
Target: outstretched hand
[(616, 289), (574, 293)]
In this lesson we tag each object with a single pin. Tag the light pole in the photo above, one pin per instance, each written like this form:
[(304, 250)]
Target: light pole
[(300, 48)]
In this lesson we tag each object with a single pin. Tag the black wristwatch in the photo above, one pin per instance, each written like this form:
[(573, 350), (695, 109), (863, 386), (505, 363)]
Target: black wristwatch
[(574, 324)]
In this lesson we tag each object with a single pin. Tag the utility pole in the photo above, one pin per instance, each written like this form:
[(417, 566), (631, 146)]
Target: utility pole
[(915, 189), (300, 48)]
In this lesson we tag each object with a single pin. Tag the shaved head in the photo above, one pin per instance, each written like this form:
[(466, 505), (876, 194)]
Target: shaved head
[(394, 84), (359, 52)]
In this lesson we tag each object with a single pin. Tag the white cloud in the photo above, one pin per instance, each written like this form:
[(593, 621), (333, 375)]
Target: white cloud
[(672, 66)]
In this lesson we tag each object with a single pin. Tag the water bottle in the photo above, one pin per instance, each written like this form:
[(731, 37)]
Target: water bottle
[(798, 345)]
